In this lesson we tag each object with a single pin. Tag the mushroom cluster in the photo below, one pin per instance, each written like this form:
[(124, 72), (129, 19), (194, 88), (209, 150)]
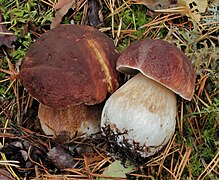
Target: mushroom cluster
[(69, 69), (143, 110)]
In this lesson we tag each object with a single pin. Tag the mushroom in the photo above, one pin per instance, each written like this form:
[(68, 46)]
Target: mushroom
[(76, 120), (144, 108), (67, 69)]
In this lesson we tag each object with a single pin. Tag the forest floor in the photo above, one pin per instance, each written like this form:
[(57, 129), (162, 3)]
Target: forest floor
[(193, 151)]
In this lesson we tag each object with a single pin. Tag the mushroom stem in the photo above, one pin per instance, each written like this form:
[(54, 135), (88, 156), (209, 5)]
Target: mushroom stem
[(80, 119), (145, 110)]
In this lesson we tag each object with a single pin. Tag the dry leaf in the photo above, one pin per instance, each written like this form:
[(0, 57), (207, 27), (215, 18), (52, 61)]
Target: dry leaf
[(116, 169), (6, 37), (195, 7), (61, 158), (215, 2), (61, 7), (94, 14), (156, 4), (5, 175)]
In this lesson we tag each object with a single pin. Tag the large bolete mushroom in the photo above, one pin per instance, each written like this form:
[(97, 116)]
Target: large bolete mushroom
[(144, 108), (66, 69)]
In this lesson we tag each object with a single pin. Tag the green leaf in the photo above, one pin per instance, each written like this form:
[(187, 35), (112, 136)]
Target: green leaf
[(116, 169)]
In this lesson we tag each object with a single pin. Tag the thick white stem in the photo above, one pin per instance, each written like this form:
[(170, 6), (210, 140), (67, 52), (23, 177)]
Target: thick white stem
[(146, 110)]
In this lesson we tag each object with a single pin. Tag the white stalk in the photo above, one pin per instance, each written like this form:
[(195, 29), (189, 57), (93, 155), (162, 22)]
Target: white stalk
[(146, 110)]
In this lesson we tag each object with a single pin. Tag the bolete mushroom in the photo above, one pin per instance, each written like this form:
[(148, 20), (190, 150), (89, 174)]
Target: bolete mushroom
[(144, 108), (66, 69)]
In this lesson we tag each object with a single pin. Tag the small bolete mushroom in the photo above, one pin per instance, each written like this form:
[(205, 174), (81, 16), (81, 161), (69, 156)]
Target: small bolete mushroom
[(66, 69), (144, 108)]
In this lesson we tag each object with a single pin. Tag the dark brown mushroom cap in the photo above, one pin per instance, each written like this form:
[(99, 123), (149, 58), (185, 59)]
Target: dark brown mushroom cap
[(162, 62), (70, 65)]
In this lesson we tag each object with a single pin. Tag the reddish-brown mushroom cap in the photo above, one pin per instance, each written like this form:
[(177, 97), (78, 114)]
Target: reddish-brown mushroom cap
[(162, 62), (70, 65)]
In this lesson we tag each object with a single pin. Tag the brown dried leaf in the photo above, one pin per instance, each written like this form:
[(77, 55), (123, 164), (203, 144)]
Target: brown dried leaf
[(5, 175), (61, 7), (61, 158), (156, 4), (6, 37), (94, 15)]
